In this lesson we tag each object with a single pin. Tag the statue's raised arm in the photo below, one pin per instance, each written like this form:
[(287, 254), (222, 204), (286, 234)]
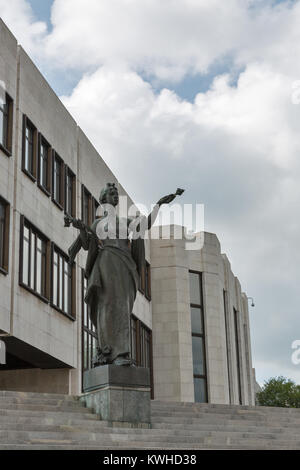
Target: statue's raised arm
[(163, 200)]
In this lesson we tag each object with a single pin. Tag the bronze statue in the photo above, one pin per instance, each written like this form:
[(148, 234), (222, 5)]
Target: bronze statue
[(112, 269)]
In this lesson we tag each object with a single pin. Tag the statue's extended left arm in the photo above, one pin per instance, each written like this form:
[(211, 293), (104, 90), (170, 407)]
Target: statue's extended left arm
[(83, 239)]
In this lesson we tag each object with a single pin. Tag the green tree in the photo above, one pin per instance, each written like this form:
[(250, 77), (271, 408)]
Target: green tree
[(279, 391)]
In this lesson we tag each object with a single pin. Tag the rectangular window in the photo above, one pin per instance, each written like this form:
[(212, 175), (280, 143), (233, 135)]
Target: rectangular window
[(89, 336), (86, 206), (63, 285), (89, 206), (145, 281), (70, 192), (4, 235), (34, 268), (58, 180), (148, 281), (198, 337), (30, 137), (226, 320), (237, 351), (6, 123), (95, 205), (44, 178), (134, 338), (141, 346)]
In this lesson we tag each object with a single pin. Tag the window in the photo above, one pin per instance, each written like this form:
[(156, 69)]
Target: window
[(58, 180), (63, 285), (70, 192), (34, 268), (95, 205), (6, 123), (29, 148), (44, 180), (148, 281), (145, 281), (89, 335), (89, 206), (86, 209), (225, 301), (4, 235), (198, 337), (237, 351), (141, 346)]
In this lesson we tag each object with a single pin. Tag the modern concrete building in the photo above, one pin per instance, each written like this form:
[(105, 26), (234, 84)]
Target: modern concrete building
[(190, 324)]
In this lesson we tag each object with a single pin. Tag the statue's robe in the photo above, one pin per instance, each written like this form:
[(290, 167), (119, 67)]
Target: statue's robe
[(112, 270)]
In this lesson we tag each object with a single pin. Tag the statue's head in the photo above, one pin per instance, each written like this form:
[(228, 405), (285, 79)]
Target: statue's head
[(109, 195)]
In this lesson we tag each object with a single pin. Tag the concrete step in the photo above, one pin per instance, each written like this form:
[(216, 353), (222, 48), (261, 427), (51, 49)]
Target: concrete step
[(228, 425), (34, 395), (40, 401), (232, 419), (50, 421), (101, 430), (65, 414), (44, 408), (119, 435), (90, 420), (226, 412), (202, 406), (137, 446), (208, 443), (104, 427)]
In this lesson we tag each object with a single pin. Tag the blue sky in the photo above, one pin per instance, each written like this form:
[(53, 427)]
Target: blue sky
[(42, 10), (187, 88), (63, 83)]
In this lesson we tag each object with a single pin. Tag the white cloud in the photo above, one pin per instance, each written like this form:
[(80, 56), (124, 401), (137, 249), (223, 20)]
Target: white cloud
[(172, 38), (166, 38), (19, 17)]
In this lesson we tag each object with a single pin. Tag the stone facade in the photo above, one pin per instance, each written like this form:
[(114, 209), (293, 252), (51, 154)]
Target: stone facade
[(53, 340), (172, 339)]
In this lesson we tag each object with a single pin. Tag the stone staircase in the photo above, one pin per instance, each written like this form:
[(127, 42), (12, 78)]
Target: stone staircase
[(52, 421)]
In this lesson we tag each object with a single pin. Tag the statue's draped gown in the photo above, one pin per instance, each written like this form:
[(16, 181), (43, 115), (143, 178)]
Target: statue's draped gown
[(112, 286)]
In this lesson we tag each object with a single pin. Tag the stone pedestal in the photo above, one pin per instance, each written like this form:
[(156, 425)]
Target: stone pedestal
[(119, 394)]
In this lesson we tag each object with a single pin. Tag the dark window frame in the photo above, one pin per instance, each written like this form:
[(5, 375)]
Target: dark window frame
[(145, 281), (72, 280), (4, 268), (201, 335), (86, 203), (139, 339), (27, 123), (95, 205), (237, 352), (227, 336), (56, 158), (46, 188), (148, 281), (68, 173), (6, 146), (88, 330), (45, 296)]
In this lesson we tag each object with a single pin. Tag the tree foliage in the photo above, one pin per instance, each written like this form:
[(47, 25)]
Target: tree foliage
[(279, 391)]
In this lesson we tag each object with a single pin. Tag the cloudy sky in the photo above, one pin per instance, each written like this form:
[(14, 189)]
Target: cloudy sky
[(200, 94)]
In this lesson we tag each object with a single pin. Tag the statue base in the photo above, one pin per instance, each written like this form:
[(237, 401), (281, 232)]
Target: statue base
[(119, 394)]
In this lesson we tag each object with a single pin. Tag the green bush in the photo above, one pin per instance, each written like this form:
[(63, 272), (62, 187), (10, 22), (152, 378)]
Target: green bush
[(279, 391)]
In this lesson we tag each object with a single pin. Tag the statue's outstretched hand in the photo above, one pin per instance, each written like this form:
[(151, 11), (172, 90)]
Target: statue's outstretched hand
[(166, 199)]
